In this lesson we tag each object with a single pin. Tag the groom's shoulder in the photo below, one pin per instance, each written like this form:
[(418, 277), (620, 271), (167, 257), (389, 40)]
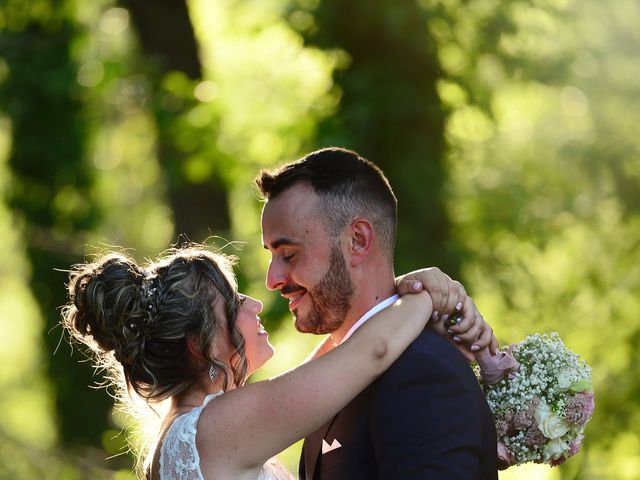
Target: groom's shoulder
[(429, 352), (431, 344), (430, 366)]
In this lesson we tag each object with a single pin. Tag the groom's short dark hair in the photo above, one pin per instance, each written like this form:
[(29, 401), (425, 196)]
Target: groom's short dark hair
[(348, 185)]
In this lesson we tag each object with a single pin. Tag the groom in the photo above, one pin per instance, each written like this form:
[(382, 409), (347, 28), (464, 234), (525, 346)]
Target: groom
[(329, 221)]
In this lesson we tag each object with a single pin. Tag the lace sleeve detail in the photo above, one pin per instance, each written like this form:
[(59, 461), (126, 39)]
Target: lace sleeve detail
[(179, 459)]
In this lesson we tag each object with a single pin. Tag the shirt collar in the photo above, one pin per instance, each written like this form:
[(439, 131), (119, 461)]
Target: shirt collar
[(377, 308)]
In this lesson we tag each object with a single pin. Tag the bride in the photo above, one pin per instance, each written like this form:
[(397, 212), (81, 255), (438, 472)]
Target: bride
[(178, 330)]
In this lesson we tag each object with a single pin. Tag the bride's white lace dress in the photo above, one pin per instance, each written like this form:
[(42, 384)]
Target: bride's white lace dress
[(179, 459)]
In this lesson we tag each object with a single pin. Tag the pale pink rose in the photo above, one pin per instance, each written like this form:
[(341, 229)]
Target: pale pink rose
[(505, 458), (590, 403), (493, 368)]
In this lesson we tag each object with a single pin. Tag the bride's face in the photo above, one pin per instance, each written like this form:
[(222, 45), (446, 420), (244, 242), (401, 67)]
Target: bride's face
[(257, 347)]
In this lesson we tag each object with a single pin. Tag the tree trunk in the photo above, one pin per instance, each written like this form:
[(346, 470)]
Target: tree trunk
[(168, 40), (50, 192), (390, 113)]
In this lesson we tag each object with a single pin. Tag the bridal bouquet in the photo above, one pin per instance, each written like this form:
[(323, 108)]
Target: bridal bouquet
[(541, 396)]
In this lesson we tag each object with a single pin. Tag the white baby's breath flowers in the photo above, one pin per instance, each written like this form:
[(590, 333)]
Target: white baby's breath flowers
[(530, 407)]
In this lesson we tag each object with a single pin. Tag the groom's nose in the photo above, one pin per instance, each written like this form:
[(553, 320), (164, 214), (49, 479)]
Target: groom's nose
[(276, 276)]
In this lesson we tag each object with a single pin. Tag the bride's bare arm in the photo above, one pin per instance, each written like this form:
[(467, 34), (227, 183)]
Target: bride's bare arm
[(448, 297), (245, 427)]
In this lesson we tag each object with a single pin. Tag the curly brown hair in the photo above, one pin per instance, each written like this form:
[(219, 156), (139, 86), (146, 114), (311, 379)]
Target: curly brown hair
[(138, 321)]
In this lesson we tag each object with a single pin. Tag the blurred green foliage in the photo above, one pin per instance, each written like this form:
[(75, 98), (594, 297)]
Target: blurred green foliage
[(49, 189), (389, 110), (509, 130)]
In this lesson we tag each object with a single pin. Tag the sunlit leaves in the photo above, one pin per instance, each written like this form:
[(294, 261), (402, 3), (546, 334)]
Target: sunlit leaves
[(541, 100), (470, 124), (545, 205)]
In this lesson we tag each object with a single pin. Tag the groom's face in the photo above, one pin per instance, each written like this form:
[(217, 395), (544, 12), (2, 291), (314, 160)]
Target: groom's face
[(307, 265)]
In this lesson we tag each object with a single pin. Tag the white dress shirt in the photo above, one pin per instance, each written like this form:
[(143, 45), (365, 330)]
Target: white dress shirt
[(377, 308)]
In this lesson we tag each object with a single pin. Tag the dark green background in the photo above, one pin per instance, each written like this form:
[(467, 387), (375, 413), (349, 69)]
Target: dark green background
[(508, 129)]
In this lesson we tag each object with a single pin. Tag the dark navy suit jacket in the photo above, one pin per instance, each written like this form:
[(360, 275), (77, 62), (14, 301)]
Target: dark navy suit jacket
[(425, 418)]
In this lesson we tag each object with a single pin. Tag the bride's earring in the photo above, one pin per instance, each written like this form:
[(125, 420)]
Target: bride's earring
[(213, 373)]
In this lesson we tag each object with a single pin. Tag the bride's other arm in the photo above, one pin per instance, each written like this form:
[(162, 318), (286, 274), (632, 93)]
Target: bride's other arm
[(245, 427), (450, 300), (448, 297)]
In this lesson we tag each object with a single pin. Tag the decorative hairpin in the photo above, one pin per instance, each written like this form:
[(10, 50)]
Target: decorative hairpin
[(149, 291)]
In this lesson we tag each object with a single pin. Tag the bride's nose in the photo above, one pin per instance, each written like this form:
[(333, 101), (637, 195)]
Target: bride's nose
[(256, 305)]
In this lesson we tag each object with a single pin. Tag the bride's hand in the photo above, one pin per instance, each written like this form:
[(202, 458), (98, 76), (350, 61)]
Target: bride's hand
[(470, 333), (445, 292), (469, 338)]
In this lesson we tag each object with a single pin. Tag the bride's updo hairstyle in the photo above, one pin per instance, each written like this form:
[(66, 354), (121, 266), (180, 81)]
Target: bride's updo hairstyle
[(138, 321)]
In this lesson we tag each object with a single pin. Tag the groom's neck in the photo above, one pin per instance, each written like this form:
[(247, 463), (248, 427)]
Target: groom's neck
[(367, 295)]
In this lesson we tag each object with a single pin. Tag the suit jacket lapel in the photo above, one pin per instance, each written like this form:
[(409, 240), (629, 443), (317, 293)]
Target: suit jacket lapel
[(312, 447)]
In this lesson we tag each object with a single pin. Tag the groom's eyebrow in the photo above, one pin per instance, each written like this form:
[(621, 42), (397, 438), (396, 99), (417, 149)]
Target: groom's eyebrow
[(280, 242)]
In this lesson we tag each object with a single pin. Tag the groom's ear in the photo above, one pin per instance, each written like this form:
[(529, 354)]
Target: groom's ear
[(361, 240)]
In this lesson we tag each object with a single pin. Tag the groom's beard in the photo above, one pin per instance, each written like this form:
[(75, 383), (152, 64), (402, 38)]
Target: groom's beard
[(331, 298)]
